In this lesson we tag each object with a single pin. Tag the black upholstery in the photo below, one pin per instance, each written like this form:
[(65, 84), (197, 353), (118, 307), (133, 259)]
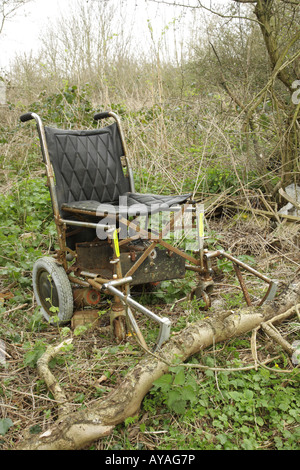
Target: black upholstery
[(87, 164), (131, 204), (89, 172)]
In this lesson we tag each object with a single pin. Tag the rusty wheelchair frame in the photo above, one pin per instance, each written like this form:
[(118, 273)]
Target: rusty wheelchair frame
[(94, 202)]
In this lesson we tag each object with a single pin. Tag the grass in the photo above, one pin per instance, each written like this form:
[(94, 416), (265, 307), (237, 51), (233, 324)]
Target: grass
[(191, 407), (188, 408)]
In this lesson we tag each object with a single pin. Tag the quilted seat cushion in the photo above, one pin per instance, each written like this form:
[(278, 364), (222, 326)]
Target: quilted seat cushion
[(87, 164), (129, 204)]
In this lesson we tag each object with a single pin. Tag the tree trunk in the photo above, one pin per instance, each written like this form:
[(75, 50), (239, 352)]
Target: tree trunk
[(279, 45), (81, 428)]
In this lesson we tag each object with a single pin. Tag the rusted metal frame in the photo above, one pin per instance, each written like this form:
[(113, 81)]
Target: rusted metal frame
[(146, 252), (160, 242), (165, 323), (90, 213), (49, 168), (242, 284), (196, 269), (172, 222), (201, 268), (152, 246), (51, 184), (181, 210), (206, 281), (99, 280), (248, 268), (62, 252), (77, 223), (179, 252), (97, 284), (129, 170), (124, 282), (135, 328), (270, 294), (220, 253), (76, 280), (61, 227), (141, 259), (170, 226), (140, 231), (105, 227), (143, 233), (170, 247), (79, 211), (129, 239)]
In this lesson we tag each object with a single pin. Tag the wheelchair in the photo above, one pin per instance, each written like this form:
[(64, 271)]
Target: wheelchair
[(112, 238)]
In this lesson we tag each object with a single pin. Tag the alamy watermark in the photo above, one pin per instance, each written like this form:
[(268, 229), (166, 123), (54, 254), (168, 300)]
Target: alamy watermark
[(152, 222), (296, 94)]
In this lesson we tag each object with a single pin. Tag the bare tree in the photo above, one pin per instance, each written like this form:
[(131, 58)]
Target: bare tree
[(8, 9), (279, 26)]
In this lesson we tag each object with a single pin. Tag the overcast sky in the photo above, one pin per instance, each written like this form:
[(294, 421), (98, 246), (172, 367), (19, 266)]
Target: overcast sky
[(23, 32)]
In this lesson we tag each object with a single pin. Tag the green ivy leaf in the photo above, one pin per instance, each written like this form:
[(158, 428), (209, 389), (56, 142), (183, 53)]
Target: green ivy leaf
[(175, 402), (164, 382), (188, 393), (179, 377), (5, 424), (248, 394), (259, 421), (222, 438)]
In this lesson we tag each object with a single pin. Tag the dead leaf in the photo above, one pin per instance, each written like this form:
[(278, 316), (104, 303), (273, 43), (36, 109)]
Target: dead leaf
[(5, 296), (103, 378)]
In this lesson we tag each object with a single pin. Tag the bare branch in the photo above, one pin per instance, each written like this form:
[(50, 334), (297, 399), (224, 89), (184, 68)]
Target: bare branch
[(8, 9), (48, 377), (84, 426), (214, 12)]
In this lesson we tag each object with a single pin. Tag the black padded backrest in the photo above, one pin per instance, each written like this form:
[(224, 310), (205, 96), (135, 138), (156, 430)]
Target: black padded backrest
[(87, 164)]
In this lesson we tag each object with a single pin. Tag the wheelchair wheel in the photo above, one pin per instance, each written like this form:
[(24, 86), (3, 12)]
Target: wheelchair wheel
[(52, 290)]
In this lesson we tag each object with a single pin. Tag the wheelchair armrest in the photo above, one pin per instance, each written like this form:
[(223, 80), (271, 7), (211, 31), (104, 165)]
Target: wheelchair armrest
[(104, 115), (26, 117)]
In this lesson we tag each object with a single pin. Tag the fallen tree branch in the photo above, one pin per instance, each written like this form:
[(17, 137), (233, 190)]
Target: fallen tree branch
[(19, 307), (292, 218), (79, 429), (227, 369), (50, 380), (271, 331)]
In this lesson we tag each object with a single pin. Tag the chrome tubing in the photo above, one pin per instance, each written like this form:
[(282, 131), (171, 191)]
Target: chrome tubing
[(164, 323)]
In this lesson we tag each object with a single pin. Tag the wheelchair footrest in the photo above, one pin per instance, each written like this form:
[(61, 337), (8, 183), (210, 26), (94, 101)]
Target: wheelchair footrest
[(164, 323)]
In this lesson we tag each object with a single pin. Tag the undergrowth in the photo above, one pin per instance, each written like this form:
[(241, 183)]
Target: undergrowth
[(190, 407)]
